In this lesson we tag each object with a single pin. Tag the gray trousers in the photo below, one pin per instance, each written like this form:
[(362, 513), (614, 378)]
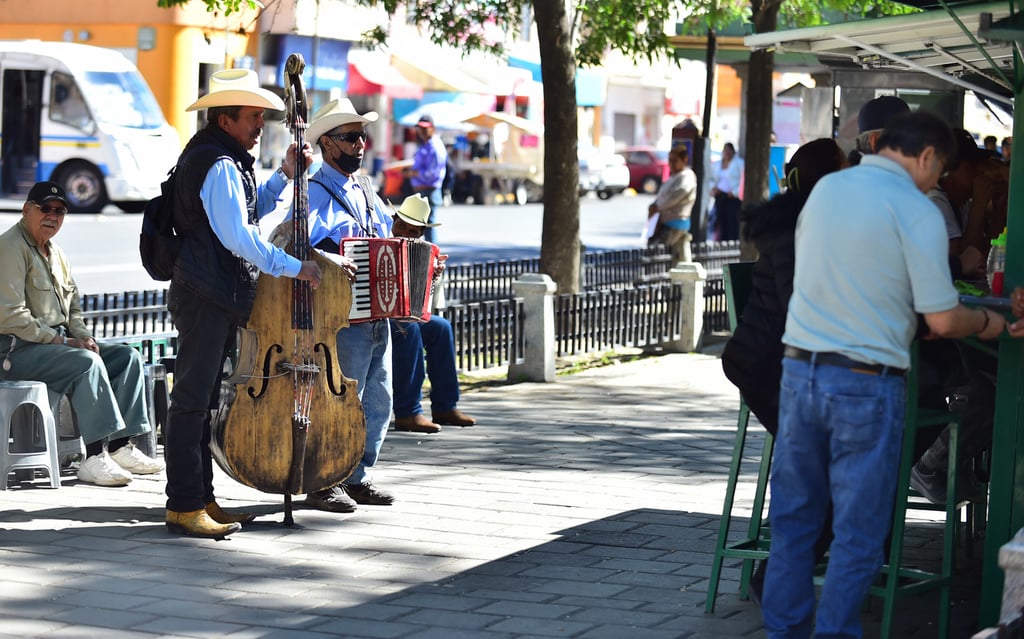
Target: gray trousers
[(106, 391)]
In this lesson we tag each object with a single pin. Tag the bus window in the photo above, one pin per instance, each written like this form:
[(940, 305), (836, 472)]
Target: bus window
[(126, 99), (66, 102)]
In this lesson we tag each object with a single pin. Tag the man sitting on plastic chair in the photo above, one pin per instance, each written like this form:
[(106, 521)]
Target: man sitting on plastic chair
[(44, 339)]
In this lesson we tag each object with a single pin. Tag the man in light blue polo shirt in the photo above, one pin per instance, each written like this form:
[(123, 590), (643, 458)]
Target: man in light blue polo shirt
[(871, 253)]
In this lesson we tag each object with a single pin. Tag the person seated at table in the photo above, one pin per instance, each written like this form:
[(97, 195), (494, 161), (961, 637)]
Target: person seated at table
[(752, 359), (409, 339), (43, 338)]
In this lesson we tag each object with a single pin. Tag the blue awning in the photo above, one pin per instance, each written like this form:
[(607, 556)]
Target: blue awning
[(591, 85), (326, 60)]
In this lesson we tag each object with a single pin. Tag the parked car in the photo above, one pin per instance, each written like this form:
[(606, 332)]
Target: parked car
[(613, 177), (603, 173), (648, 168)]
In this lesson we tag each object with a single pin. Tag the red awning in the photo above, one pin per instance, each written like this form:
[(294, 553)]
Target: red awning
[(372, 77)]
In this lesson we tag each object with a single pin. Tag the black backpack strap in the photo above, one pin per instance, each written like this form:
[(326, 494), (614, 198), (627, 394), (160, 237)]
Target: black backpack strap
[(348, 209)]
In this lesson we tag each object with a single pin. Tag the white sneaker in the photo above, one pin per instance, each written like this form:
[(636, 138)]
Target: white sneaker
[(135, 461), (102, 471)]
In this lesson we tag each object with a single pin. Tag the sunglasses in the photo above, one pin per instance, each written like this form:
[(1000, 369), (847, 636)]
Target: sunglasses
[(55, 209), (351, 136)]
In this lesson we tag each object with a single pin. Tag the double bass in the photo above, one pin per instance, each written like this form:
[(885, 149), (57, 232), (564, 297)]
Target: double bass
[(289, 421)]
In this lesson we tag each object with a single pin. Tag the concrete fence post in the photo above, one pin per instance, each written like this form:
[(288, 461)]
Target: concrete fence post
[(692, 276), (538, 293)]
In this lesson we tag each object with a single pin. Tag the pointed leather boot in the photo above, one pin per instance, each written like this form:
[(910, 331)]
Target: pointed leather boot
[(221, 516), (197, 523)]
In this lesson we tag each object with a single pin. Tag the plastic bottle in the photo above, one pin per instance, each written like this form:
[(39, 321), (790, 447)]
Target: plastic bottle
[(996, 264)]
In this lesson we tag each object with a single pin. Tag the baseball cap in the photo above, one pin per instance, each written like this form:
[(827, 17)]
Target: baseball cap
[(42, 192), (425, 121), (875, 114)]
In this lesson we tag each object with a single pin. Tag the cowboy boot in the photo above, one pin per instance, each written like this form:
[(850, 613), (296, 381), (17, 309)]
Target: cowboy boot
[(221, 516), (197, 523)]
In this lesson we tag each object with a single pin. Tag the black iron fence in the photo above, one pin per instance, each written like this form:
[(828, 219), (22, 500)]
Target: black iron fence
[(627, 301), (634, 318)]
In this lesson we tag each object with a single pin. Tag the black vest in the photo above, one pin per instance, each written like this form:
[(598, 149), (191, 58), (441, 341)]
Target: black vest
[(204, 267)]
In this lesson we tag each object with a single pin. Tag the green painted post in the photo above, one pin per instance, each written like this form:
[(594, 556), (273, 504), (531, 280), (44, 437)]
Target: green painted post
[(1006, 505)]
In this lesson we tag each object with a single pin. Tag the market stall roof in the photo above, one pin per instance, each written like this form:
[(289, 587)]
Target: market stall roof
[(373, 74), (437, 75), (491, 119), (934, 42)]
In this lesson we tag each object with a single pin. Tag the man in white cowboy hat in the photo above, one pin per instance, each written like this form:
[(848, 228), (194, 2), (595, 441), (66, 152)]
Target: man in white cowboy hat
[(409, 339), (217, 205), (343, 203)]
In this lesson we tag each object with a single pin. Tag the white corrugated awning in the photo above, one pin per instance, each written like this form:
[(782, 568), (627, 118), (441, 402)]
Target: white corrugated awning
[(941, 44)]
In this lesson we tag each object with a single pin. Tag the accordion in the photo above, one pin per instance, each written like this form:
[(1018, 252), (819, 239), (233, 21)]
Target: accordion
[(395, 278)]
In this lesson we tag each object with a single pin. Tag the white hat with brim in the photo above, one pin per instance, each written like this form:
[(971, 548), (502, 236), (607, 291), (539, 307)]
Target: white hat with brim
[(237, 87), (415, 210), (334, 114)]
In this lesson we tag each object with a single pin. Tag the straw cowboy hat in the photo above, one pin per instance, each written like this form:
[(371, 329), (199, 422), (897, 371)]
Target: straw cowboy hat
[(237, 87), (415, 210), (334, 114)]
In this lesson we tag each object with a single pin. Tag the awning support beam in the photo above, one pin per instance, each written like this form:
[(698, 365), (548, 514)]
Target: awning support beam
[(922, 68)]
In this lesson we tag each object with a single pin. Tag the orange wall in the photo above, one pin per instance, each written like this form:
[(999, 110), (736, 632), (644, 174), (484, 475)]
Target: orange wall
[(730, 87)]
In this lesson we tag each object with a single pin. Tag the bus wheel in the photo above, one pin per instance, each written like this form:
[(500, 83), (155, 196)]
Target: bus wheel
[(84, 186)]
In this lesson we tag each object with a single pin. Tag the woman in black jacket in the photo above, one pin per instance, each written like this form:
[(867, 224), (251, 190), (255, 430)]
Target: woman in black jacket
[(752, 359)]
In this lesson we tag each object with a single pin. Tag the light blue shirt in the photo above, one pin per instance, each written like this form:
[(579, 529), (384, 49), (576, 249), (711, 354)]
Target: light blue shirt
[(871, 252), (223, 198), (328, 219)]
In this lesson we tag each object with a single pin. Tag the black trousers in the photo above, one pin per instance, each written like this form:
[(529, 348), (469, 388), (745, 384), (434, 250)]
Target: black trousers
[(205, 335), (727, 217)]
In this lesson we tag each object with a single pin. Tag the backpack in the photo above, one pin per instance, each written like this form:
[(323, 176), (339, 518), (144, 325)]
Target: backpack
[(158, 243)]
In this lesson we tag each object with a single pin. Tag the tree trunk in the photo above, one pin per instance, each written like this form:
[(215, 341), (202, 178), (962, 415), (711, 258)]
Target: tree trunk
[(560, 237), (759, 116)]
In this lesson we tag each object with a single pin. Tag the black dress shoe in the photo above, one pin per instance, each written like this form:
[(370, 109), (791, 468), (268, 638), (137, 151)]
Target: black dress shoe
[(333, 500), (368, 494)]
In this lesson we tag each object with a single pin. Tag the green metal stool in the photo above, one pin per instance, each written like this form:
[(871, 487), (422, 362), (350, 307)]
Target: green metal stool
[(895, 580), (738, 278)]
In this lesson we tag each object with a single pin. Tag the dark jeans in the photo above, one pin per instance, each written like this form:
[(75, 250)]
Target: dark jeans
[(727, 217), (205, 335), (408, 341)]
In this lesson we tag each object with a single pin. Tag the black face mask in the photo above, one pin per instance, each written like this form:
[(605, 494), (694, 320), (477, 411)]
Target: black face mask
[(348, 164)]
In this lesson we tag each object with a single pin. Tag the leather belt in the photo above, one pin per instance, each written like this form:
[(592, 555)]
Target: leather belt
[(842, 361)]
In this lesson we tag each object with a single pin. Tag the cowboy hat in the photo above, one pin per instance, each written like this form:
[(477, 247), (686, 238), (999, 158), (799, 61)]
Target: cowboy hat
[(237, 87), (415, 210), (334, 114)]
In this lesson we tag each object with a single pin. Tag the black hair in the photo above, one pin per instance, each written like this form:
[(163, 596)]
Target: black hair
[(811, 162), (911, 133)]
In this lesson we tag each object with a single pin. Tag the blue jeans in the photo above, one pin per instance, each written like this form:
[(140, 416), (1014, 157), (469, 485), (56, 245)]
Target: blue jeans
[(839, 439), (408, 341), (436, 198), (364, 353)]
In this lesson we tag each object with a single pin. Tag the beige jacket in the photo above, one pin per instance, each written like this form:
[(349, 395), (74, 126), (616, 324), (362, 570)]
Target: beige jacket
[(36, 294)]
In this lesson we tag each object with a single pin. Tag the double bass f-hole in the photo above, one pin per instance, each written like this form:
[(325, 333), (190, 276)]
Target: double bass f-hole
[(333, 384)]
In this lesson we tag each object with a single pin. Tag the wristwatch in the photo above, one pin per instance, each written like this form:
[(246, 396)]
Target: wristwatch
[(280, 171)]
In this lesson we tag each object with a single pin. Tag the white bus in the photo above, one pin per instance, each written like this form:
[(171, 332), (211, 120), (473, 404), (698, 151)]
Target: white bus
[(84, 117)]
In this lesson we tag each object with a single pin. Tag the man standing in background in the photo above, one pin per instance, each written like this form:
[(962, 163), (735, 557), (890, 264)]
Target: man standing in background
[(428, 169)]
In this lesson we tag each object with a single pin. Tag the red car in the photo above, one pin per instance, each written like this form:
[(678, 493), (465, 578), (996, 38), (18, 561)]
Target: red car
[(648, 168)]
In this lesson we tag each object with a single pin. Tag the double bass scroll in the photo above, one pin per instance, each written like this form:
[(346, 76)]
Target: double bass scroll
[(289, 421)]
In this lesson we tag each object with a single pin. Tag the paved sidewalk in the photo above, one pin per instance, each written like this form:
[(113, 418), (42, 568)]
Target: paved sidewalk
[(584, 508)]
